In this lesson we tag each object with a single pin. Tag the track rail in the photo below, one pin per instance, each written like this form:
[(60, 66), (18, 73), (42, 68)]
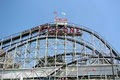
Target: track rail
[(38, 29)]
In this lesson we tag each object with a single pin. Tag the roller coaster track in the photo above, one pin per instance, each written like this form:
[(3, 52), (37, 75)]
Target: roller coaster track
[(37, 29), (39, 33)]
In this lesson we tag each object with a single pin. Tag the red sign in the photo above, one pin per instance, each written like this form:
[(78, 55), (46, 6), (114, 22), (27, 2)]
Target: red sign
[(63, 30), (60, 20)]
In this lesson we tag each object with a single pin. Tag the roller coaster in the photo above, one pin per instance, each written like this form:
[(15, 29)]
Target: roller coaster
[(58, 51)]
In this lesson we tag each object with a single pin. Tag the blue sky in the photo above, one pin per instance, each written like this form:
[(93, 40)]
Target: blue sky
[(102, 16)]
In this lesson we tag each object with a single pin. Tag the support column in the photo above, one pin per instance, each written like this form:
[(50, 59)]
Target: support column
[(21, 78)]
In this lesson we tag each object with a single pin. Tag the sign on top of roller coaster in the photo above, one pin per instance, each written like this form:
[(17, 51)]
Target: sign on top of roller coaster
[(58, 20), (62, 28), (61, 21)]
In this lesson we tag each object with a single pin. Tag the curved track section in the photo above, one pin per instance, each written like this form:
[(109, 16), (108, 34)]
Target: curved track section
[(58, 51)]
